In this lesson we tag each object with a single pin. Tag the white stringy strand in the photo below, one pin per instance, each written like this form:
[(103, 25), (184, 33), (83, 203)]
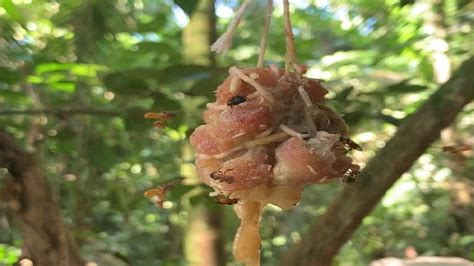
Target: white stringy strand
[(224, 42)]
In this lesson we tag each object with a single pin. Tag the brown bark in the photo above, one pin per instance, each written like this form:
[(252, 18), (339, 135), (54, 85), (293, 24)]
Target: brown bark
[(415, 134), (204, 243), (200, 33), (28, 195)]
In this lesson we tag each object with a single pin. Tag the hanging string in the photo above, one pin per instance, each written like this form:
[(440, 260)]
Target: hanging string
[(224, 42), (266, 29), (290, 59)]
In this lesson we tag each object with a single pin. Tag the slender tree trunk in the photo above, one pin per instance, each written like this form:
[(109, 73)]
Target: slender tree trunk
[(47, 241), (415, 134), (204, 244), (200, 33)]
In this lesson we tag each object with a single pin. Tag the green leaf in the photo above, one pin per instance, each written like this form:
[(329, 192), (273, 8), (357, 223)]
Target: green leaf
[(9, 76), (133, 60), (100, 154), (51, 67), (180, 73), (406, 2), (157, 23), (13, 97), (164, 103), (87, 70), (134, 120), (63, 86), (12, 10), (131, 82), (344, 94), (404, 87), (187, 6)]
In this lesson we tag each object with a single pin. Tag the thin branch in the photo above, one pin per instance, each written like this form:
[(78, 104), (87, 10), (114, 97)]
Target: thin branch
[(414, 136), (266, 29), (60, 112), (290, 40)]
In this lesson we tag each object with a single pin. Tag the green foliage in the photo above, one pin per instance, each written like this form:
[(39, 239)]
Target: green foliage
[(113, 61), (9, 254)]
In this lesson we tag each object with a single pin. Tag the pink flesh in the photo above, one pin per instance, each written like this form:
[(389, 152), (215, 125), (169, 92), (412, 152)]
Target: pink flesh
[(247, 170), (292, 162)]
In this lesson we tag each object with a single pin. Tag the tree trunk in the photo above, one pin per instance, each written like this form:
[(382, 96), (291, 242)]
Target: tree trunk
[(204, 243), (414, 136), (47, 241), (199, 34)]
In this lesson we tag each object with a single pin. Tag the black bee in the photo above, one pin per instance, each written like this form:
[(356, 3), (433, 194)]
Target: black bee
[(222, 177), (236, 100), (349, 176), (351, 145)]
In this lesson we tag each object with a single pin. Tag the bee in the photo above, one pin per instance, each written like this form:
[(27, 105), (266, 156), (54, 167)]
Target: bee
[(222, 177), (158, 194), (160, 117), (236, 100), (225, 200), (350, 176), (456, 150), (350, 144)]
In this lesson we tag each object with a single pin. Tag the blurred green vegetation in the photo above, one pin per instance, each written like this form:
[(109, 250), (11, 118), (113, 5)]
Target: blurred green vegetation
[(93, 68)]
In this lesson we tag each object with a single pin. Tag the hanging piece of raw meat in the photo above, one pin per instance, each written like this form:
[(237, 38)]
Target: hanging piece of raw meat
[(267, 135)]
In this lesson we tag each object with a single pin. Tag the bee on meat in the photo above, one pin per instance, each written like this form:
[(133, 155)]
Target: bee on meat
[(236, 100), (350, 176), (225, 200), (222, 177), (350, 144)]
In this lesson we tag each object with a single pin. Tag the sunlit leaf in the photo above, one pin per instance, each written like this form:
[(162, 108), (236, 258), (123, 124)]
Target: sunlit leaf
[(12, 10), (62, 86)]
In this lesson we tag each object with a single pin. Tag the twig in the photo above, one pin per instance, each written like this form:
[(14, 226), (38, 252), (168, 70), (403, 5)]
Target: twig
[(290, 59), (266, 28), (225, 41)]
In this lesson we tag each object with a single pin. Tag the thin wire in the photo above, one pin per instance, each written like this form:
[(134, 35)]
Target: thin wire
[(225, 41), (290, 59), (266, 29)]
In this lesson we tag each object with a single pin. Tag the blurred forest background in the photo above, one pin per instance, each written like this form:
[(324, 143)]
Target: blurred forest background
[(76, 78)]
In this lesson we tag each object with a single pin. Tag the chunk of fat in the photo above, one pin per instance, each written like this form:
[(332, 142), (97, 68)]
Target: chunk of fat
[(247, 240)]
